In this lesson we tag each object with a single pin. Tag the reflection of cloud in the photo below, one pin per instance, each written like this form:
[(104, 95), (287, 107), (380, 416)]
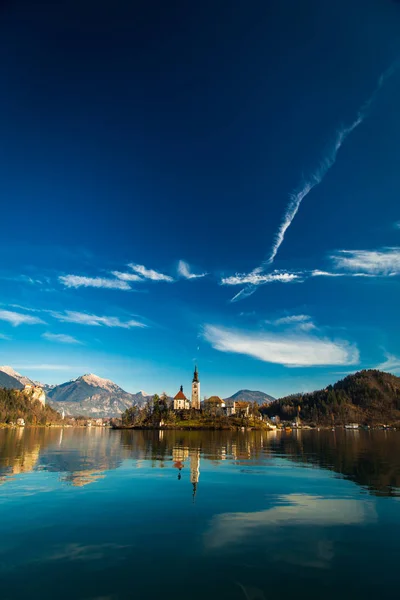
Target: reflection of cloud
[(293, 509), (307, 551), (74, 552), (251, 593)]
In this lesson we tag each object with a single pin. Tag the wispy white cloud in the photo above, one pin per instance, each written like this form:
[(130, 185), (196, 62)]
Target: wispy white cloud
[(353, 263), (396, 225), (150, 273), (288, 348), (383, 262), (298, 195), (22, 279), (391, 364), (296, 322), (290, 319), (76, 281), (244, 293), (88, 319), (184, 271), (254, 279), (16, 318), (306, 326), (4, 337), (26, 308), (60, 337), (326, 164), (319, 273), (45, 367), (127, 276)]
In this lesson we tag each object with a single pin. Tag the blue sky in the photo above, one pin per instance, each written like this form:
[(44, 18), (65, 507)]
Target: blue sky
[(200, 183)]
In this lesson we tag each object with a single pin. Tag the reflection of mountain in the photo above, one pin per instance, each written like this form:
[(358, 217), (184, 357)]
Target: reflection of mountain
[(81, 456), (370, 459)]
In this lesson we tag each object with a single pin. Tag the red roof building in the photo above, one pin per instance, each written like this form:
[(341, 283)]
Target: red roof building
[(180, 401)]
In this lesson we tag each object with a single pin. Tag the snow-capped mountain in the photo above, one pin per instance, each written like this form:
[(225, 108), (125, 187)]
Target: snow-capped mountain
[(12, 373), (88, 395), (8, 382), (91, 395)]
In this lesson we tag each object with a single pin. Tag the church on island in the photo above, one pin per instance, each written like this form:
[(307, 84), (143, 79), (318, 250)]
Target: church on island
[(213, 405), (183, 403)]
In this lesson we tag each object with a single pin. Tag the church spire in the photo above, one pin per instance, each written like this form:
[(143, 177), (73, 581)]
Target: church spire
[(196, 390)]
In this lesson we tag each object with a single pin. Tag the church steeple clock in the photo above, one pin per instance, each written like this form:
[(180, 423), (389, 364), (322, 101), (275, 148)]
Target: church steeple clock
[(196, 390)]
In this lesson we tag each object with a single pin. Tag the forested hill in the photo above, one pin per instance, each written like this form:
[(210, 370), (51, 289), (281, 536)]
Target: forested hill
[(14, 405), (368, 397)]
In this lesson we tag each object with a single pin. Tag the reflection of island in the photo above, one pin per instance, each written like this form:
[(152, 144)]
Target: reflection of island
[(182, 453), (194, 469), (83, 456)]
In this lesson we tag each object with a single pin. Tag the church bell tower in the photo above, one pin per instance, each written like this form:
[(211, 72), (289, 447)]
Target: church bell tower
[(196, 390)]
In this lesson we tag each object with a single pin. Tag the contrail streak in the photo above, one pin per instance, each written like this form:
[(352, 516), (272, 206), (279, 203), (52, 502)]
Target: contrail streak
[(298, 195)]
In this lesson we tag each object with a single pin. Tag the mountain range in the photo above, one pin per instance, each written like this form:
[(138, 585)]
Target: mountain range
[(93, 396), (88, 395)]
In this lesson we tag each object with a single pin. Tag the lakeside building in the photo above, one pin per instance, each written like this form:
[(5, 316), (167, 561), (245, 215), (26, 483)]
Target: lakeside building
[(180, 401), (213, 405), (183, 403)]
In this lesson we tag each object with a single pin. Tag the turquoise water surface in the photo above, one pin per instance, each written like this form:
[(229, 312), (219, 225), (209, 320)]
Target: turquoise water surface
[(109, 515)]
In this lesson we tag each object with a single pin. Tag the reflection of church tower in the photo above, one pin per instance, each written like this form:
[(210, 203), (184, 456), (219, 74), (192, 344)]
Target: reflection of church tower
[(194, 469), (196, 390)]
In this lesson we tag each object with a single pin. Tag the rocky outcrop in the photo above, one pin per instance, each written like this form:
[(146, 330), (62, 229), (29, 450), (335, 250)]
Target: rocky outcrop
[(35, 392)]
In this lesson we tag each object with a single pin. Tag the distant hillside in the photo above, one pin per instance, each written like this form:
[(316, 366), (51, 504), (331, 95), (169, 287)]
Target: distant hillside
[(252, 396), (368, 397), (15, 404), (93, 396)]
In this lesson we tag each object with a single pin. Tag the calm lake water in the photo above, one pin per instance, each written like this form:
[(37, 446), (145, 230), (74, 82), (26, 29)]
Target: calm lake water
[(109, 515)]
